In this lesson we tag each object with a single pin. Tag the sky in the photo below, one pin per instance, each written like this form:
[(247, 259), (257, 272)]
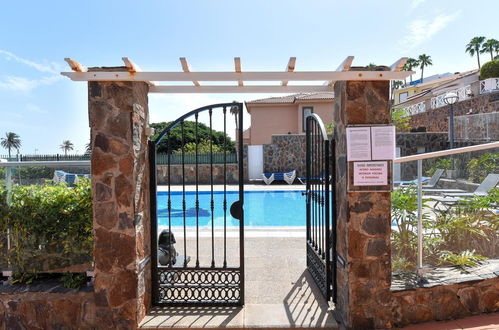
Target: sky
[(45, 108)]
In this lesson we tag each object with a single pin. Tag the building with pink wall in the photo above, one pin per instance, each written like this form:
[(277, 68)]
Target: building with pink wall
[(285, 115)]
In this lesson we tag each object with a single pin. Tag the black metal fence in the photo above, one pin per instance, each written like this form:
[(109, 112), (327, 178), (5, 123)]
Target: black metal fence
[(51, 157)]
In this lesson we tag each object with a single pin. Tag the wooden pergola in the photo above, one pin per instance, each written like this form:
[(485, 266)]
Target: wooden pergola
[(323, 80)]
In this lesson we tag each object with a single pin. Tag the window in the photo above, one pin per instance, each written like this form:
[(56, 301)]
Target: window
[(403, 97), (305, 112)]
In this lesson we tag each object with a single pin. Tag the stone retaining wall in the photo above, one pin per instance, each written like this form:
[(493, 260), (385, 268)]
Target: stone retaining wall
[(479, 127), (204, 174), (445, 302), (437, 120)]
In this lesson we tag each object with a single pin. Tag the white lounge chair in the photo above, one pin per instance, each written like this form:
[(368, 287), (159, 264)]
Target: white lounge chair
[(288, 177)]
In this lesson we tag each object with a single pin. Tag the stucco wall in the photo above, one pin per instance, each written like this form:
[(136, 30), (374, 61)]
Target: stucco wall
[(268, 120)]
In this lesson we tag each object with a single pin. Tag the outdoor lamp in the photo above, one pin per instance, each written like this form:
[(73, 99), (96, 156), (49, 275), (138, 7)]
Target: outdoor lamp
[(451, 98)]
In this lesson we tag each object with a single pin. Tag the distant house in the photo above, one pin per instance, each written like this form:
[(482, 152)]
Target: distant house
[(430, 95), (285, 115)]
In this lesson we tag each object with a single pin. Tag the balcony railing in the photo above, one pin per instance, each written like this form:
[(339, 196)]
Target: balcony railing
[(463, 93), (489, 85), (415, 109)]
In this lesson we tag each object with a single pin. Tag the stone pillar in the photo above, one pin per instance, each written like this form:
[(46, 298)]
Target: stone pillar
[(363, 221), (119, 117)]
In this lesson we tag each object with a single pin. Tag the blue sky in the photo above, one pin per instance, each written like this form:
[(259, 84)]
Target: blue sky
[(45, 108)]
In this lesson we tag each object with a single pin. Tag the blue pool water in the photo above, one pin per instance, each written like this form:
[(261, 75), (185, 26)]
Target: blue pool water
[(261, 208)]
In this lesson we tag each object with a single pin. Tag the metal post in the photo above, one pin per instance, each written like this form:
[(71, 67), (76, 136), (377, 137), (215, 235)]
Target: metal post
[(420, 217), (451, 126)]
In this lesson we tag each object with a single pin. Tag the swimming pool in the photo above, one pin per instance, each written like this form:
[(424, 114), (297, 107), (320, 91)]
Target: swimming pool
[(261, 208)]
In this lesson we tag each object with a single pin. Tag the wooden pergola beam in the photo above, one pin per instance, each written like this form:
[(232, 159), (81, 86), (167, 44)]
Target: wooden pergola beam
[(289, 68), (237, 65), (241, 89), (343, 67), (75, 65), (399, 65), (187, 69)]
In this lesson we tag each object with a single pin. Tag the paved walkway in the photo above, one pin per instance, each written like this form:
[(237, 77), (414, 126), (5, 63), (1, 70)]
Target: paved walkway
[(279, 293)]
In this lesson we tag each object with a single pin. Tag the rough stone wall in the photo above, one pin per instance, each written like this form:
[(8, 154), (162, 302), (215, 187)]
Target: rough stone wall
[(204, 174), (285, 153), (445, 302), (479, 127), (118, 119), (363, 218), (437, 120), (43, 310)]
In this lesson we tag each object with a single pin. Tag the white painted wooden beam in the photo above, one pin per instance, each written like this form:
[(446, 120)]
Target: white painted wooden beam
[(131, 66), (237, 65), (346, 64), (233, 76), (186, 68), (240, 89), (289, 68), (75, 66), (343, 67), (399, 65)]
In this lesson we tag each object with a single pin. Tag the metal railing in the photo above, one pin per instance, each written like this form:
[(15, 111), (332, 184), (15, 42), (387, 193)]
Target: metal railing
[(463, 93), (415, 108), (419, 158), (489, 85)]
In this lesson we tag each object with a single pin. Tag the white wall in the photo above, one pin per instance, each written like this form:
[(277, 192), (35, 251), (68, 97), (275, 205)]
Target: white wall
[(255, 162)]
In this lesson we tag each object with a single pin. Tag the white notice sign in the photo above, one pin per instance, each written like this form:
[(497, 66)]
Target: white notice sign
[(358, 143), (370, 173), (383, 142)]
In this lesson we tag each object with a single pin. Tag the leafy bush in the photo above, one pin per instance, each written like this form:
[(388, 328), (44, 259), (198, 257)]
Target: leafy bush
[(401, 120), (479, 168), (73, 280), (204, 147), (490, 70), (461, 237), (50, 226), (219, 138), (440, 163)]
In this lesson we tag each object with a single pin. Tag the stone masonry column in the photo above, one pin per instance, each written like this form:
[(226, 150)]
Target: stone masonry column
[(119, 118), (363, 220)]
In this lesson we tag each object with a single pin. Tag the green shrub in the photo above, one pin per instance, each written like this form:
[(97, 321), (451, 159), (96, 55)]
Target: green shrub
[(440, 163), (490, 70), (479, 168), (50, 226)]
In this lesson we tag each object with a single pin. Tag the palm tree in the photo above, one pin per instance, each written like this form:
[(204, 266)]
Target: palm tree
[(496, 48), (11, 140), (489, 46), (396, 84), (410, 64), (474, 47), (66, 146), (234, 110), (424, 60)]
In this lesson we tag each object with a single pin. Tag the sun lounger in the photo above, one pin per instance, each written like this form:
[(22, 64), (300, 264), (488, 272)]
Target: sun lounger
[(289, 177), (69, 178), (483, 189), (427, 182)]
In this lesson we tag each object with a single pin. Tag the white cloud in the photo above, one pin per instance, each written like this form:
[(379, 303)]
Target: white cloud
[(15, 83), (54, 68), (421, 30), (416, 3), (34, 108)]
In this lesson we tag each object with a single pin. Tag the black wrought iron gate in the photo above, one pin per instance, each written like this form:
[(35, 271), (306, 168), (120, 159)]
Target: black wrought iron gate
[(321, 226), (193, 204)]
